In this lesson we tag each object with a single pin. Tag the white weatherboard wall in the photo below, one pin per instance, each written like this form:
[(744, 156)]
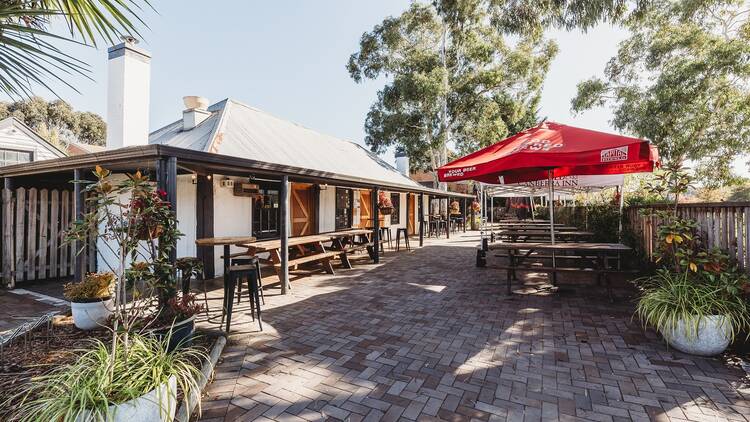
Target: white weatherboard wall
[(186, 217), (14, 139), (232, 217), (327, 209)]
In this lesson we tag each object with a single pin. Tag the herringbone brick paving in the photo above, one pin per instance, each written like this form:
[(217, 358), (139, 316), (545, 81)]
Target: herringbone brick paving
[(427, 336)]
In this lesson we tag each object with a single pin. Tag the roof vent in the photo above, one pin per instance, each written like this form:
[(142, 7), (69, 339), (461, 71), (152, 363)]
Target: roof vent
[(196, 111)]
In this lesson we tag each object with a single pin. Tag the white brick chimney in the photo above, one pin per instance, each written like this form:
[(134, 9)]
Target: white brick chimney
[(196, 111), (402, 162), (128, 90)]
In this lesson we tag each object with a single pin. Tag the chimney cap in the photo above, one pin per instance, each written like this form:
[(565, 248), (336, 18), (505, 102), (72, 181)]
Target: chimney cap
[(195, 102)]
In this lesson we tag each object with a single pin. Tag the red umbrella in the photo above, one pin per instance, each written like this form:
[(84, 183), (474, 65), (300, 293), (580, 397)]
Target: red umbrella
[(552, 150), (565, 150)]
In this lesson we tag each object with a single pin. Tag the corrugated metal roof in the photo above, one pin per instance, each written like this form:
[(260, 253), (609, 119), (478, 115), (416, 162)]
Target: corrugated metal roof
[(239, 130)]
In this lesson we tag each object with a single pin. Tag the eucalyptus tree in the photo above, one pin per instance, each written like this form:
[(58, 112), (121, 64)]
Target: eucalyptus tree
[(452, 78), (31, 49), (682, 80)]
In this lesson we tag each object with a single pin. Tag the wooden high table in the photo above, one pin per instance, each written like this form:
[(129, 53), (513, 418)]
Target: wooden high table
[(227, 243), (601, 251)]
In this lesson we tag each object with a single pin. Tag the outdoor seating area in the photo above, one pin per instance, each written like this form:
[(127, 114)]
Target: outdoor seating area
[(460, 243)]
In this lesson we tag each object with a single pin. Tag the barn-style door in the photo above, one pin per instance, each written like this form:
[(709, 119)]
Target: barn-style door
[(303, 209)]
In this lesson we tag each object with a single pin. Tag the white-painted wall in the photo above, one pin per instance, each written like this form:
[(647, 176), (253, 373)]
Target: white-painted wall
[(327, 209), (232, 217), (16, 139), (186, 217)]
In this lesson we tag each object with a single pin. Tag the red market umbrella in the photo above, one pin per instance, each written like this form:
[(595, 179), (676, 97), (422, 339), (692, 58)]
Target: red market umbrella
[(551, 150), (565, 150)]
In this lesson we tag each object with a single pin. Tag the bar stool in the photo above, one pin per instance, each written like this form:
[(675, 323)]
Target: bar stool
[(250, 261), (385, 232), (398, 238), (236, 274)]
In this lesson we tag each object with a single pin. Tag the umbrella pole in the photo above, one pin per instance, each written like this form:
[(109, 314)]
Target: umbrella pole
[(552, 222), (622, 205), (531, 200)]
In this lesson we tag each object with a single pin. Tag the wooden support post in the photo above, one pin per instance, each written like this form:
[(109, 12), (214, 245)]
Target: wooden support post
[(465, 216), (7, 225), (448, 217), (284, 233), (421, 219), (171, 189), (375, 225), (79, 248)]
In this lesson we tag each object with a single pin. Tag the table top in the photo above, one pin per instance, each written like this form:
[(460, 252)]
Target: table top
[(345, 233), (266, 245), (538, 232), (584, 246), (227, 240)]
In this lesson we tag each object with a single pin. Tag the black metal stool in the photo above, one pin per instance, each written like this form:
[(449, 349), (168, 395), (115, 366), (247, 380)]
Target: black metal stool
[(250, 261), (398, 238), (236, 274), (385, 232)]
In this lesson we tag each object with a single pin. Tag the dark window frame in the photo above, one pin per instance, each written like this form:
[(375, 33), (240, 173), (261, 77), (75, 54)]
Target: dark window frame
[(257, 230), (396, 202), (349, 216)]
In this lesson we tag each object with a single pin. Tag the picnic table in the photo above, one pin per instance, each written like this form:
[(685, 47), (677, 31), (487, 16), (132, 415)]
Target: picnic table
[(591, 258), (525, 235)]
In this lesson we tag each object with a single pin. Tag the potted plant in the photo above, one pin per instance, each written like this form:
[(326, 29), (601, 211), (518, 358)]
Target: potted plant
[(177, 321), (91, 300), (385, 206), (455, 208), (118, 384), (696, 299), (695, 314)]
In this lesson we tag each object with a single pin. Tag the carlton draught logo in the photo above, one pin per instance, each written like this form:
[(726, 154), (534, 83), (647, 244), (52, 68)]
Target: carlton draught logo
[(614, 154)]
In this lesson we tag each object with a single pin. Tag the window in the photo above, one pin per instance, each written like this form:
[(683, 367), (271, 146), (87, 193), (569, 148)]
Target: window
[(266, 212), (8, 157), (396, 201), (344, 207)]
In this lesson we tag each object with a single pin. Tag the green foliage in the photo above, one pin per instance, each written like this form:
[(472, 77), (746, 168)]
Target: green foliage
[(94, 286), (670, 297), (137, 226), (452, 79), (101, 377), (57, 121), (30, 52), (604, 221), (680, 81)]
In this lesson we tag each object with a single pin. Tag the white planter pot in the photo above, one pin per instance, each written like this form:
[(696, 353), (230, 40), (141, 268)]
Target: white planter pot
[(158, 405), (713, 336), (90, 315)]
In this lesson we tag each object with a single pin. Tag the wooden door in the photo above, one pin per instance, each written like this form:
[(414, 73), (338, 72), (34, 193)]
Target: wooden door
[(303, 207), (411, 200), (365, 204)]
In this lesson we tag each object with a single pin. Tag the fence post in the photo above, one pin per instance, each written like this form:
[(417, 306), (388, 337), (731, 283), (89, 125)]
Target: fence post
[(7, 224)]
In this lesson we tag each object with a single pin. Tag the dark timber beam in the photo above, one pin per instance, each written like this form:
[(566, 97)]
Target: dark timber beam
[(375, 211), (166, 180), (284, 233), (79, 269), (420, 207)]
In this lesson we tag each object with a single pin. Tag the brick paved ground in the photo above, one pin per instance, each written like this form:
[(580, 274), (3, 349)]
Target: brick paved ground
[(20, 306), (427, 336)]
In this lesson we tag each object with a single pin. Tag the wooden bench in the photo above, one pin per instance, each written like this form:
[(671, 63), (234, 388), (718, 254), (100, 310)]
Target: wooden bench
[(324, 257), (601, 273)]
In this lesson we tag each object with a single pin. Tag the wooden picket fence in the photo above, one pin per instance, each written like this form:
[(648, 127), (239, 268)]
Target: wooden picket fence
[(725, 225), (33, 235)]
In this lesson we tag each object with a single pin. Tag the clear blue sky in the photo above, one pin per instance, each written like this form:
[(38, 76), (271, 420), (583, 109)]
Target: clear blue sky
[(288, 58)]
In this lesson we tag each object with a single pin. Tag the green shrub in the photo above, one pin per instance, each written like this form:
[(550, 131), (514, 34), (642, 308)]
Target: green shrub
[(99, 379)]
